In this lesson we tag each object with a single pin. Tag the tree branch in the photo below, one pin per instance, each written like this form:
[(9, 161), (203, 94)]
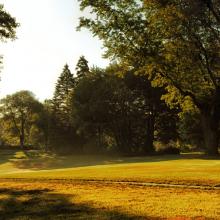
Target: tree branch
[(183, 92), (209, 4), (207, 64)]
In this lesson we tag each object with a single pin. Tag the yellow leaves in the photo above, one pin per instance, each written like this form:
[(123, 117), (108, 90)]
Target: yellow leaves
[(173, 98), (187, 106)]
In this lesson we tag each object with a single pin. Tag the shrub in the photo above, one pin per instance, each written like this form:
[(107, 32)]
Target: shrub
[(169, 150)]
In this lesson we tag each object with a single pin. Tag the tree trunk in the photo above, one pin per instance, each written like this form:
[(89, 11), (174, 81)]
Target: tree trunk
[(210, 133), (149, 142), (22, 141), (100, 143), (22, 133)]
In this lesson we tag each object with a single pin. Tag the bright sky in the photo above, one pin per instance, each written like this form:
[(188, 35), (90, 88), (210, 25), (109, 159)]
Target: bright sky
[(47, 40)]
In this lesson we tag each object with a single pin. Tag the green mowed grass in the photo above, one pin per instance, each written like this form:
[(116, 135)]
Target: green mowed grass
[(36, 185), (194, 169)]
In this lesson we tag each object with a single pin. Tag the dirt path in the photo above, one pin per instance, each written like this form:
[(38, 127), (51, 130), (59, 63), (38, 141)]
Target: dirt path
[(111, 182)]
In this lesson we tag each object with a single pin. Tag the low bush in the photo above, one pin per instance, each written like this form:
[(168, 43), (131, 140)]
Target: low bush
[(169, 150)]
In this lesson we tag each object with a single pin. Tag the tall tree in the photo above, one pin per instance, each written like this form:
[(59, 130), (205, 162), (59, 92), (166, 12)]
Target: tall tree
[(62, 95), (176, 43), (102, 103), (20, 110), (82, 68), (123, 109), (62, 136), (159, 122), (189, 59)]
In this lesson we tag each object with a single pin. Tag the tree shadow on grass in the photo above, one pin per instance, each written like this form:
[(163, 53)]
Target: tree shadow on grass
[(38, 160), (45, 204), (35, 160), (6, 155)]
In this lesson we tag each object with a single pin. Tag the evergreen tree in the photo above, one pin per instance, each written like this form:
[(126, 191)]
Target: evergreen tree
[(61, 133), (61, 100), (82, 67)]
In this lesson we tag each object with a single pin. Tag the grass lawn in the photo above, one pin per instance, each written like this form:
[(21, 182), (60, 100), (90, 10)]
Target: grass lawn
[(184, 169), (58, 199), (34, 185)]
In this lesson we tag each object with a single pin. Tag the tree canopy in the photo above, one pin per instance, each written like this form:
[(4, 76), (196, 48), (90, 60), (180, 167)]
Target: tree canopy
[(20, 111), (8, 25), (162, 86), (82, 68), (175, 43)]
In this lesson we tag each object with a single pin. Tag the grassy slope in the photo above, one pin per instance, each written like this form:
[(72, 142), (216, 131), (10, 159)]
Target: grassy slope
[(38, 198), (185, 169)]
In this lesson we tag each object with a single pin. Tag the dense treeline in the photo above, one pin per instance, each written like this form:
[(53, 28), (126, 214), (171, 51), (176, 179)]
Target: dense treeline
[(111, 110), (161, 90), (176, 43)]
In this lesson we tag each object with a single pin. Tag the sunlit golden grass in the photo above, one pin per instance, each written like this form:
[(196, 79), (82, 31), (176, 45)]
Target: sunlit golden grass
[(36, 185), (183, 169), (63, 199)]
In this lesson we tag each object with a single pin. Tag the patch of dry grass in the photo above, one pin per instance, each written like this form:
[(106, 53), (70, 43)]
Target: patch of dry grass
[(49, 189), (67, 199)]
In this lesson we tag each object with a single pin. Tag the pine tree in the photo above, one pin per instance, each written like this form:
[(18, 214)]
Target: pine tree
[(62, 95), (82, 68)]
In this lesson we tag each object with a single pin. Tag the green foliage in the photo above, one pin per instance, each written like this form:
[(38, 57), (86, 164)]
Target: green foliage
[(121, 113), (61, 128), (188, 63), (82, 68), (175, 43), (20, 113), (122, 28), (190, 131), (8, 25), (167, 38), (61, 99), (94, 102)]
